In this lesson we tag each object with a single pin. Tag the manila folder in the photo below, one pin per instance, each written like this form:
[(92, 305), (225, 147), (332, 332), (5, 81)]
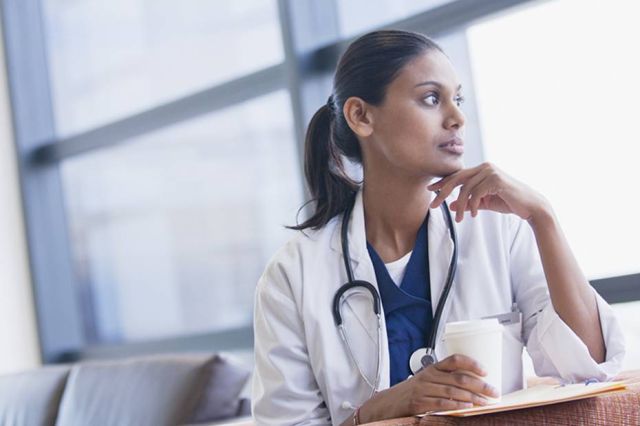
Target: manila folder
[(537, 396)]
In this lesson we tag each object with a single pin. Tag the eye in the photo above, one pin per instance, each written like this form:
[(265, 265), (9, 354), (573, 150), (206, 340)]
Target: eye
[(459, 100), (431, 99)]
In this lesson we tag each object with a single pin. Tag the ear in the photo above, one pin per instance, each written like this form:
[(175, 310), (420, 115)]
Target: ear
[(359, 116)]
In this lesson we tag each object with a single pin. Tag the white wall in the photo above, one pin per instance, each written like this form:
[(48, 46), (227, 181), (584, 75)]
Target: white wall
[(18, 333)]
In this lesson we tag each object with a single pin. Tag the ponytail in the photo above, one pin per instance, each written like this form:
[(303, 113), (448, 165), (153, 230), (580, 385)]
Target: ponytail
[(330, 187)]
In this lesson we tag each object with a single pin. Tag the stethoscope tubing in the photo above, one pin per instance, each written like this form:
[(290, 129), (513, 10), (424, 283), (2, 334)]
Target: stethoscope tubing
[(451, 273), (429, 358)]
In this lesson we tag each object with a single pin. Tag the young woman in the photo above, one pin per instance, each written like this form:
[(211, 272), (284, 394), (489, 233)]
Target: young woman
[(395, 109)]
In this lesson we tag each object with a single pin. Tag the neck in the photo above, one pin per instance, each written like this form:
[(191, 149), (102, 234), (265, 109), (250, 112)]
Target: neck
[(394, 209)]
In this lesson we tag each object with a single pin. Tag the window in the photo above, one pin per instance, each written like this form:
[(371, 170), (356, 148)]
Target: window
[(557, 110), (171, 232), (160, 144), (159, 165), (110, 59)]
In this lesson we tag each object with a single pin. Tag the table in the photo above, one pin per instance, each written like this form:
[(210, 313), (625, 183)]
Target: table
[(621, 408)]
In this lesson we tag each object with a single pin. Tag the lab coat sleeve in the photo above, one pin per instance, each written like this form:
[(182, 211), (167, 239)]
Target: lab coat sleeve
[(284, 391), (554, 348)]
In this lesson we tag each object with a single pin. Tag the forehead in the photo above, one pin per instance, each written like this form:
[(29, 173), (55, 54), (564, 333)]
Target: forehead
[(429, 66)]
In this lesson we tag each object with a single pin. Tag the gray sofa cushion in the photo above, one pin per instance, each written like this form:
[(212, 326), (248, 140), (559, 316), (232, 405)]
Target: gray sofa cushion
[(32, 398), (159, 390), (221, 396)]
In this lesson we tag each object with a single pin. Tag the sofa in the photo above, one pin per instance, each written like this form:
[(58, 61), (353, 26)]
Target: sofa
[(169, 390)]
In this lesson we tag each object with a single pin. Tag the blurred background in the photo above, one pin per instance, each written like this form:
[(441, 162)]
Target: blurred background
[(150, 152)]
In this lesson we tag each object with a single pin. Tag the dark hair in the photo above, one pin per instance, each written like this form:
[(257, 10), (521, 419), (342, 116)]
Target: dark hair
[(365, 70)]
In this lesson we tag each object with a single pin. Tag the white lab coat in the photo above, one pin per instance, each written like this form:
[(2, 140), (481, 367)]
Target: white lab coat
[(303, 373)]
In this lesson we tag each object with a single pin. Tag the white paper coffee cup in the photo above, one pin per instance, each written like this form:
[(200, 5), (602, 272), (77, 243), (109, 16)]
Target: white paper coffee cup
[(482, 341)]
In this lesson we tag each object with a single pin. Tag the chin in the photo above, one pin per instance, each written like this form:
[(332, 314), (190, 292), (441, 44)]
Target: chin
[(449, 168), (432, 170)]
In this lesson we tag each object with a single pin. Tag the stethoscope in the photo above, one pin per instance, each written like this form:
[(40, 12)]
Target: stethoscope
[(421, 358)]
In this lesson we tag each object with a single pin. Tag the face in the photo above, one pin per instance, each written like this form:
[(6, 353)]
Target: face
[(418, 129)]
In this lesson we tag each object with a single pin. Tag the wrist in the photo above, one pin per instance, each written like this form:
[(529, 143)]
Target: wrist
[(376, 408), (367, 412), (387, 404), (541, 216)]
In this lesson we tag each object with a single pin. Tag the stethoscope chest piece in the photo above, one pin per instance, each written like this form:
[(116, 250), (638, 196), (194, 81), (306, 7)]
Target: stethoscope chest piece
[(421, 358)]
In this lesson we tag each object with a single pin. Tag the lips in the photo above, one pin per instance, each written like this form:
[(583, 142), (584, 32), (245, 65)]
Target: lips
[(455, 141), (453, 146)]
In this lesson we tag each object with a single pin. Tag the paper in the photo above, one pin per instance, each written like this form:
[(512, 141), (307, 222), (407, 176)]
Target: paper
[(537, 396)]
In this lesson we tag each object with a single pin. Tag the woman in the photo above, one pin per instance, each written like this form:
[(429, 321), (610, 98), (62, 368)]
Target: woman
[(395, 109)]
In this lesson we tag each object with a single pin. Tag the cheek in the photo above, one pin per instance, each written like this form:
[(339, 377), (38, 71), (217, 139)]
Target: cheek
[(406, 136), (408, 123), (415, 133)]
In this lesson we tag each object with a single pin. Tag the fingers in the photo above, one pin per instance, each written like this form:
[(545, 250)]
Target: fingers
[(475, 204), (466, 382), (469, 188), (429, 404), (461, 371), (457, 394), (458, 362), (476, 183), (449, 183)]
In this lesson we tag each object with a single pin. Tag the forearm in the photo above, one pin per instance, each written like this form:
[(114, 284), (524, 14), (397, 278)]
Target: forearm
[(571, 294)]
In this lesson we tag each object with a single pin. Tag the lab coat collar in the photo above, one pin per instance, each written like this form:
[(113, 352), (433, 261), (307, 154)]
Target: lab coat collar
[(356, 233)]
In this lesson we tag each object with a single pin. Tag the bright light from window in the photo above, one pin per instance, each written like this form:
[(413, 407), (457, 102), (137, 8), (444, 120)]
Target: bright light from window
[(557, 87)]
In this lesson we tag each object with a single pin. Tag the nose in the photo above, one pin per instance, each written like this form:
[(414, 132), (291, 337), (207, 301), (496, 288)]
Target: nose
[(455, 118)]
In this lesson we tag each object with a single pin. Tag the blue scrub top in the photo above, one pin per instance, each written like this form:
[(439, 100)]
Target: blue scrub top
[(407, 308)]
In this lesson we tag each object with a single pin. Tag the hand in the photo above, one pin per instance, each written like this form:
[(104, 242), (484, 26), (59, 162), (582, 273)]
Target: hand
[(486, 187), (447, 385)]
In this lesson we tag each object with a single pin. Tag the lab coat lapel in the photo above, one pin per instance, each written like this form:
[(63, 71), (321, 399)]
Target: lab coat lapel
[(360, 321), (361, 307), (440, 251)]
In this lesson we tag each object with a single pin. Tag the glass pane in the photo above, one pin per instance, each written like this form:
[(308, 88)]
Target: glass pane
[(109, 59), (557, 111), (171, 232), (359, 16)]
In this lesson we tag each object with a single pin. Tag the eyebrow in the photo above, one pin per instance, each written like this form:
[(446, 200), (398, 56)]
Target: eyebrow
[(435, 83)]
